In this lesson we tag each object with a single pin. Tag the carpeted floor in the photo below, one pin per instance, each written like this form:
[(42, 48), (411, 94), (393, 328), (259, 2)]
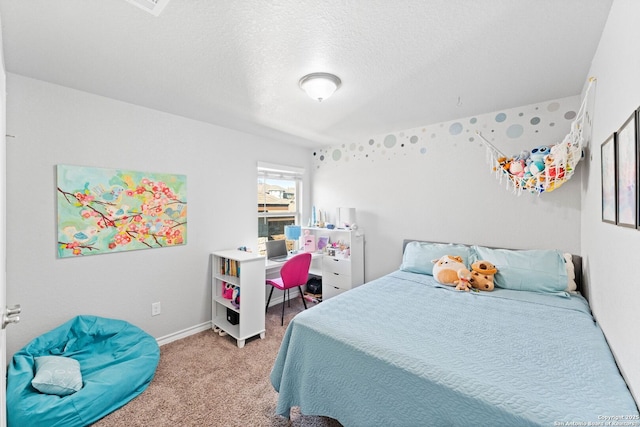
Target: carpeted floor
[(206, 380)]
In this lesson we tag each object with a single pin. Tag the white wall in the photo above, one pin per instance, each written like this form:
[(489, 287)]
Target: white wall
[(434, 183), (56, 125), (611, 253)]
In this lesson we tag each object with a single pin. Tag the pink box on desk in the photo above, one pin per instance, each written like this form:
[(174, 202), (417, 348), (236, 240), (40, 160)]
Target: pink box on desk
[(309, 243)]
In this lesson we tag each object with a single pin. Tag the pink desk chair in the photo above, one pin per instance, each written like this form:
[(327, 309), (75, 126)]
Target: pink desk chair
[(294, 272)]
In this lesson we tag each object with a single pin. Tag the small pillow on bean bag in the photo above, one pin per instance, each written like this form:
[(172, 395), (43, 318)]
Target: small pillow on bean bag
[(57, 375)]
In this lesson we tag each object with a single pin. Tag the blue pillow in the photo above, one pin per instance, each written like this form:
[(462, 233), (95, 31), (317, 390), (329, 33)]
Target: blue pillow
[(418, 256), (57, 375), (525, 270)]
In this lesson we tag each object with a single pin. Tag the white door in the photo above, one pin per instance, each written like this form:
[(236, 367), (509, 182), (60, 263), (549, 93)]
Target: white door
[(7, 315), (3, 258)]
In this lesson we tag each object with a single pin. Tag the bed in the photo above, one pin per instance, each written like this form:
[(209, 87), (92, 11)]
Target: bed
[(403, 350)]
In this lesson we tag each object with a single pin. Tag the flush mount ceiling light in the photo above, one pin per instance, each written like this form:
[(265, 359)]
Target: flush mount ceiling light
[(320, 86)]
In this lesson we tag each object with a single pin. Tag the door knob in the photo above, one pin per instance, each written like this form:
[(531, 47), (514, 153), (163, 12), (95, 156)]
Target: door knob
[(12, 311), (11, 315)]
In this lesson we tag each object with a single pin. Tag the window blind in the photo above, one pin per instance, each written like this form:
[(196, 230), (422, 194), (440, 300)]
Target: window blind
[(272, 171)]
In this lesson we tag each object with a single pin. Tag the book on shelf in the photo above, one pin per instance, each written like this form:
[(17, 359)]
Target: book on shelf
[(229, 267)]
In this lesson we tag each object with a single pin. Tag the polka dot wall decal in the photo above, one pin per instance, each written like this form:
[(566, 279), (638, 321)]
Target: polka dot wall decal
[(514, 131), (511, 124), (455, 128), (554, 106), (389, 141)]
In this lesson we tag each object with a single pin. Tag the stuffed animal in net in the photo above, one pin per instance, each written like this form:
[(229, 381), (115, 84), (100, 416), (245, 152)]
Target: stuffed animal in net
[(450, 270), (482, 274)]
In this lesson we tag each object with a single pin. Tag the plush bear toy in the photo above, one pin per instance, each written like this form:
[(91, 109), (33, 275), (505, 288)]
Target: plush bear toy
[(450, 270), (482, 273)]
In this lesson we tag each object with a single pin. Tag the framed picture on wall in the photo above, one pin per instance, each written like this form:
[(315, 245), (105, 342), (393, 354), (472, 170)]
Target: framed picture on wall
[(627, 174), (608, 173)]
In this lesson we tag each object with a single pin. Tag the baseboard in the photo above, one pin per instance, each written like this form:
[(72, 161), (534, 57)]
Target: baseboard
[(207, 325), (183, 333)]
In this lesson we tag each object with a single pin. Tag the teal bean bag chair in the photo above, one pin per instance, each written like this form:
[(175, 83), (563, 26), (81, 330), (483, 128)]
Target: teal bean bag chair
[(117, 361)]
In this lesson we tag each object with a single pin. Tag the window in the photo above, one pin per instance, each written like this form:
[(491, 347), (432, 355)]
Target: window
[(279, 191)]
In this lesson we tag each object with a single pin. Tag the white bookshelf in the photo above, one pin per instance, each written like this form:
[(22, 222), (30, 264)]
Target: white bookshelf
[(249, 275)]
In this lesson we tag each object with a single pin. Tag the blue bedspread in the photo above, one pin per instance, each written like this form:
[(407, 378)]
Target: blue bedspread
[(403, 350)]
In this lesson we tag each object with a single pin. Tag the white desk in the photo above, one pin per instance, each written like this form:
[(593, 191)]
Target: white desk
[(272, 268)]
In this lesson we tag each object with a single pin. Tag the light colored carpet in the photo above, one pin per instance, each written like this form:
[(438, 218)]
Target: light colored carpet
[(206, 380)]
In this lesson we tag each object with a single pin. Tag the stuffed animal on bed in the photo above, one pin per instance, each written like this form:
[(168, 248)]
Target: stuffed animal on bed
[(482, 275), (464, 280), (450, 270)]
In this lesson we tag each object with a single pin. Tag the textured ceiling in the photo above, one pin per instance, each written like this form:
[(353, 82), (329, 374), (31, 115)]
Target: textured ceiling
[(403, 64)]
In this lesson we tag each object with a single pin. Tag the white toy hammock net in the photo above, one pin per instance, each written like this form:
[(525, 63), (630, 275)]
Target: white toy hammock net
[(559, 164)]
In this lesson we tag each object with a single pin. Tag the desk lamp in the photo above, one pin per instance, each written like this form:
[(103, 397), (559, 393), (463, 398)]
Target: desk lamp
[(293, 232)]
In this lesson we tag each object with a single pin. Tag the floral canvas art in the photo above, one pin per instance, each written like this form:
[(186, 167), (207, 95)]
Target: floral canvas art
[(110, 210)]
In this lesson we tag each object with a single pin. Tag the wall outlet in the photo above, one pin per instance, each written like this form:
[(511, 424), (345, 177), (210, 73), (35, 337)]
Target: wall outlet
[(155, 309)]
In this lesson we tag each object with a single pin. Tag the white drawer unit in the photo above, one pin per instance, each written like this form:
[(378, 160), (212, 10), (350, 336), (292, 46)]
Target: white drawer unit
[(329, 291), (336, 276), (343, 266), (336, 265), (342, 281)]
